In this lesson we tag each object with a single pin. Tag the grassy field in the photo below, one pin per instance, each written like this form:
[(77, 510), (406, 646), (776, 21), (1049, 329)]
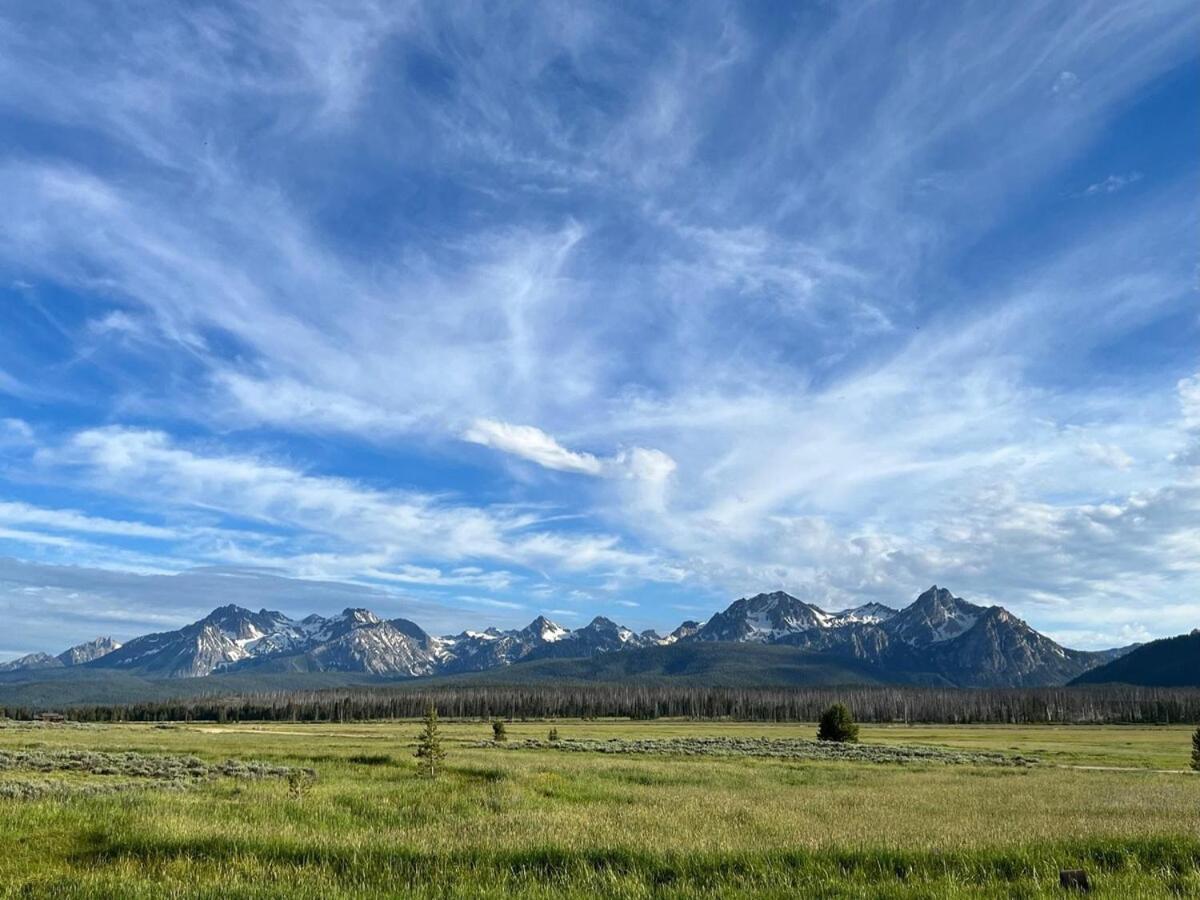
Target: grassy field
[(543, 822)]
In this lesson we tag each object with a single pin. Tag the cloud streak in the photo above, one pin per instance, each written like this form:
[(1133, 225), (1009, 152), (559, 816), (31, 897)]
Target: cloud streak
[(436, 299)]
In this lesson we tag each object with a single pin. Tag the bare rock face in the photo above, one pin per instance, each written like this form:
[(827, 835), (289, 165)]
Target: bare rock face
[(89, 651)]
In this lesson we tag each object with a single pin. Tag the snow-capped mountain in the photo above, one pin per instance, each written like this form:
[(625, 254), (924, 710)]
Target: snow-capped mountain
[(227, 635), (600, 635), (475, 651), (685, 630), (763, 619), (939, 638), (936, 615), (867, 614)]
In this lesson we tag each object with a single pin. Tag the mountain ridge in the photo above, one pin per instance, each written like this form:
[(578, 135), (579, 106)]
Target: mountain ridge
[(938, 638), (1167, 662), (72, 656)]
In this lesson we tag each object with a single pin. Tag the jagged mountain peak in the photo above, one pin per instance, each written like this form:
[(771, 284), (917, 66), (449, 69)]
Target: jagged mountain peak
[(606, 629), (762, 618), (88, 651), (936, 615), (360, 616), (544, 629), (867, 614), (684, 631), (771, 600), (242, 623), (937, 597), (230, 612)]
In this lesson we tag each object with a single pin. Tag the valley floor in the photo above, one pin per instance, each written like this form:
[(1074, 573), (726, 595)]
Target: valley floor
[(1116, 801)]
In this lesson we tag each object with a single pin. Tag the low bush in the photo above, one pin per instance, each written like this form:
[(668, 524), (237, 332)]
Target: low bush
[(775, 748), (146, 770)]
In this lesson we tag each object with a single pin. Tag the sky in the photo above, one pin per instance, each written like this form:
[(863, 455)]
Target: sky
[(471, 312)]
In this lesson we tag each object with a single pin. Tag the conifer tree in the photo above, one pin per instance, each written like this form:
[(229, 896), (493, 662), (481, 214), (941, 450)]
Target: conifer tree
[(499, 732), (429, 745), (837, 724), (1196, 750)]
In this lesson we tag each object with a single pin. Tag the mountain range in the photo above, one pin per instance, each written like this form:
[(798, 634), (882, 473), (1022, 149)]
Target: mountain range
[(937, 639)]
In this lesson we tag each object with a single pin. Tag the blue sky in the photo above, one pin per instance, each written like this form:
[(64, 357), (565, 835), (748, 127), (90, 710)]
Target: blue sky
[(470, 313)]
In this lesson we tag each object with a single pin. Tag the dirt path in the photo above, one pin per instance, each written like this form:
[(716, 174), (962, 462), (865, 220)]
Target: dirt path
[(271, 731), (1127, 769)]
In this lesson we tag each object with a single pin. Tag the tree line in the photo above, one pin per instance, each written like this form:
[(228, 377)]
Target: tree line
[(1082, 704)]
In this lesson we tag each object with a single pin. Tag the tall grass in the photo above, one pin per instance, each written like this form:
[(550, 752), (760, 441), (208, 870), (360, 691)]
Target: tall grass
[(542, 823)]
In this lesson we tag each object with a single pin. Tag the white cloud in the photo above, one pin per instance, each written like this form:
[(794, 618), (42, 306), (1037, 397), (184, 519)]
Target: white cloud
[(1112, 184), (15, 431), (836, 411), (532, 444), (1066, 84), (490, 602), (1189, 400), (397, 526), (289, 402), (73, 521), (1107, 454), (535, 445)]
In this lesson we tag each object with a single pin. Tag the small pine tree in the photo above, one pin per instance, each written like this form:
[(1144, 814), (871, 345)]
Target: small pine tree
[(837, 724), (499, 732), (554, 735), (1196, 750), (429, 745)]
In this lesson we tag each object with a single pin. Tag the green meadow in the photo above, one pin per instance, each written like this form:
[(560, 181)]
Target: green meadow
[(700, 809)]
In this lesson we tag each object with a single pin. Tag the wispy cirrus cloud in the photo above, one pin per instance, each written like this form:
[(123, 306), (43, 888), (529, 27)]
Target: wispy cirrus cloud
[(1112, 184), (784, 345)]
